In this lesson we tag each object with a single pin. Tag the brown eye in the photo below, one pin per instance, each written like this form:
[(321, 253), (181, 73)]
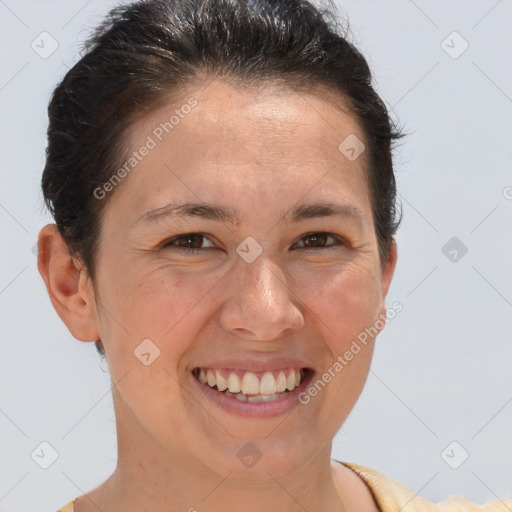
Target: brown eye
[(190, 242), (318, 240)]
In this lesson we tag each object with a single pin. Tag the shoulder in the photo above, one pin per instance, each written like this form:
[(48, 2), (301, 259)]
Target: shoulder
[(68, 507), (391, 496)]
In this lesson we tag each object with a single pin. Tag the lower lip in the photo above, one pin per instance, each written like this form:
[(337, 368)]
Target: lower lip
[(258, 409)]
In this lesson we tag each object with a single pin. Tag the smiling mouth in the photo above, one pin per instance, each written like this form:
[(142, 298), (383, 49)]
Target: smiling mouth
[(252, 387)]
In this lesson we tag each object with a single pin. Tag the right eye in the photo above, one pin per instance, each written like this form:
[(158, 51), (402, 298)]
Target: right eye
[(181, 243)]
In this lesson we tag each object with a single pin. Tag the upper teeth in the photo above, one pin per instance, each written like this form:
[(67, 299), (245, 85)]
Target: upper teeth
[(250, 384)]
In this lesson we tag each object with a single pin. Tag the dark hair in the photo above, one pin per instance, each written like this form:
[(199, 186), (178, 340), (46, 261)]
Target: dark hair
[(144, 52)]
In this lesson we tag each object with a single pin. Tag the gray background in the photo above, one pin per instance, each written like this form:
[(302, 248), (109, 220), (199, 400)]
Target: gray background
[(442, 367)]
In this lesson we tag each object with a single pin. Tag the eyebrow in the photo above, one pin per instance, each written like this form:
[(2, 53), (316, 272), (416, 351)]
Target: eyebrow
[(231, 216)]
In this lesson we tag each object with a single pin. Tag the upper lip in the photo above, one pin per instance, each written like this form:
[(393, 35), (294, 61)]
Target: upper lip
[(254, 365)]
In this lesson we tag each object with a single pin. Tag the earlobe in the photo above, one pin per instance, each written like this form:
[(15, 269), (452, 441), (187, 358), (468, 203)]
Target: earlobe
[(67, 284)]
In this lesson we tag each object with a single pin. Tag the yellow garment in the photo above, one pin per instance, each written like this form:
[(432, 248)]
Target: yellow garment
[(394, 497), (68, 507)]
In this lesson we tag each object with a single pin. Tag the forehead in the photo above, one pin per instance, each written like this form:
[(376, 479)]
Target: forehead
[(268, 121), (259, 138)]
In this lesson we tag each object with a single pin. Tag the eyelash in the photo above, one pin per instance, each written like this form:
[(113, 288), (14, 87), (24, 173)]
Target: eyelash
[(188, 250)]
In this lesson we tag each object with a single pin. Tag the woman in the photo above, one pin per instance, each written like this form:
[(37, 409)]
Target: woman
[(221, 179)]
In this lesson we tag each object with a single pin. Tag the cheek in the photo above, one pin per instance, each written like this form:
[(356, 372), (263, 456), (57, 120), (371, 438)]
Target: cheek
[(171, 306), (153, 396), (156, 304), (346, 302), (344, 307)]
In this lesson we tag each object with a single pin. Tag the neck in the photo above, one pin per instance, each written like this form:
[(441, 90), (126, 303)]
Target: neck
[(172, 485), (152, 476), (148, 475)]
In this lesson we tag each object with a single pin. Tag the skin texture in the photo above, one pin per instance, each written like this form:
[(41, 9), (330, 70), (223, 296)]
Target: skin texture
[(262, 153)]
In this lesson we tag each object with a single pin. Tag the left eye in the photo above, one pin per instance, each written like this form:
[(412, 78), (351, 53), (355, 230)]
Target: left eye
[(320, 238), (191, 242)]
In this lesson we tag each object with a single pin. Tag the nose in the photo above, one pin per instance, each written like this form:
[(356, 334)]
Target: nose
[(264, 306)]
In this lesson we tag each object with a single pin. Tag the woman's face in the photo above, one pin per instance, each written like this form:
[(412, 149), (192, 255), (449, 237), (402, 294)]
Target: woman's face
[(286, 287)]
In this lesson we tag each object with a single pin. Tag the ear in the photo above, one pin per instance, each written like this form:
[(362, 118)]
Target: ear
[(68, 284), (387, 272)]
